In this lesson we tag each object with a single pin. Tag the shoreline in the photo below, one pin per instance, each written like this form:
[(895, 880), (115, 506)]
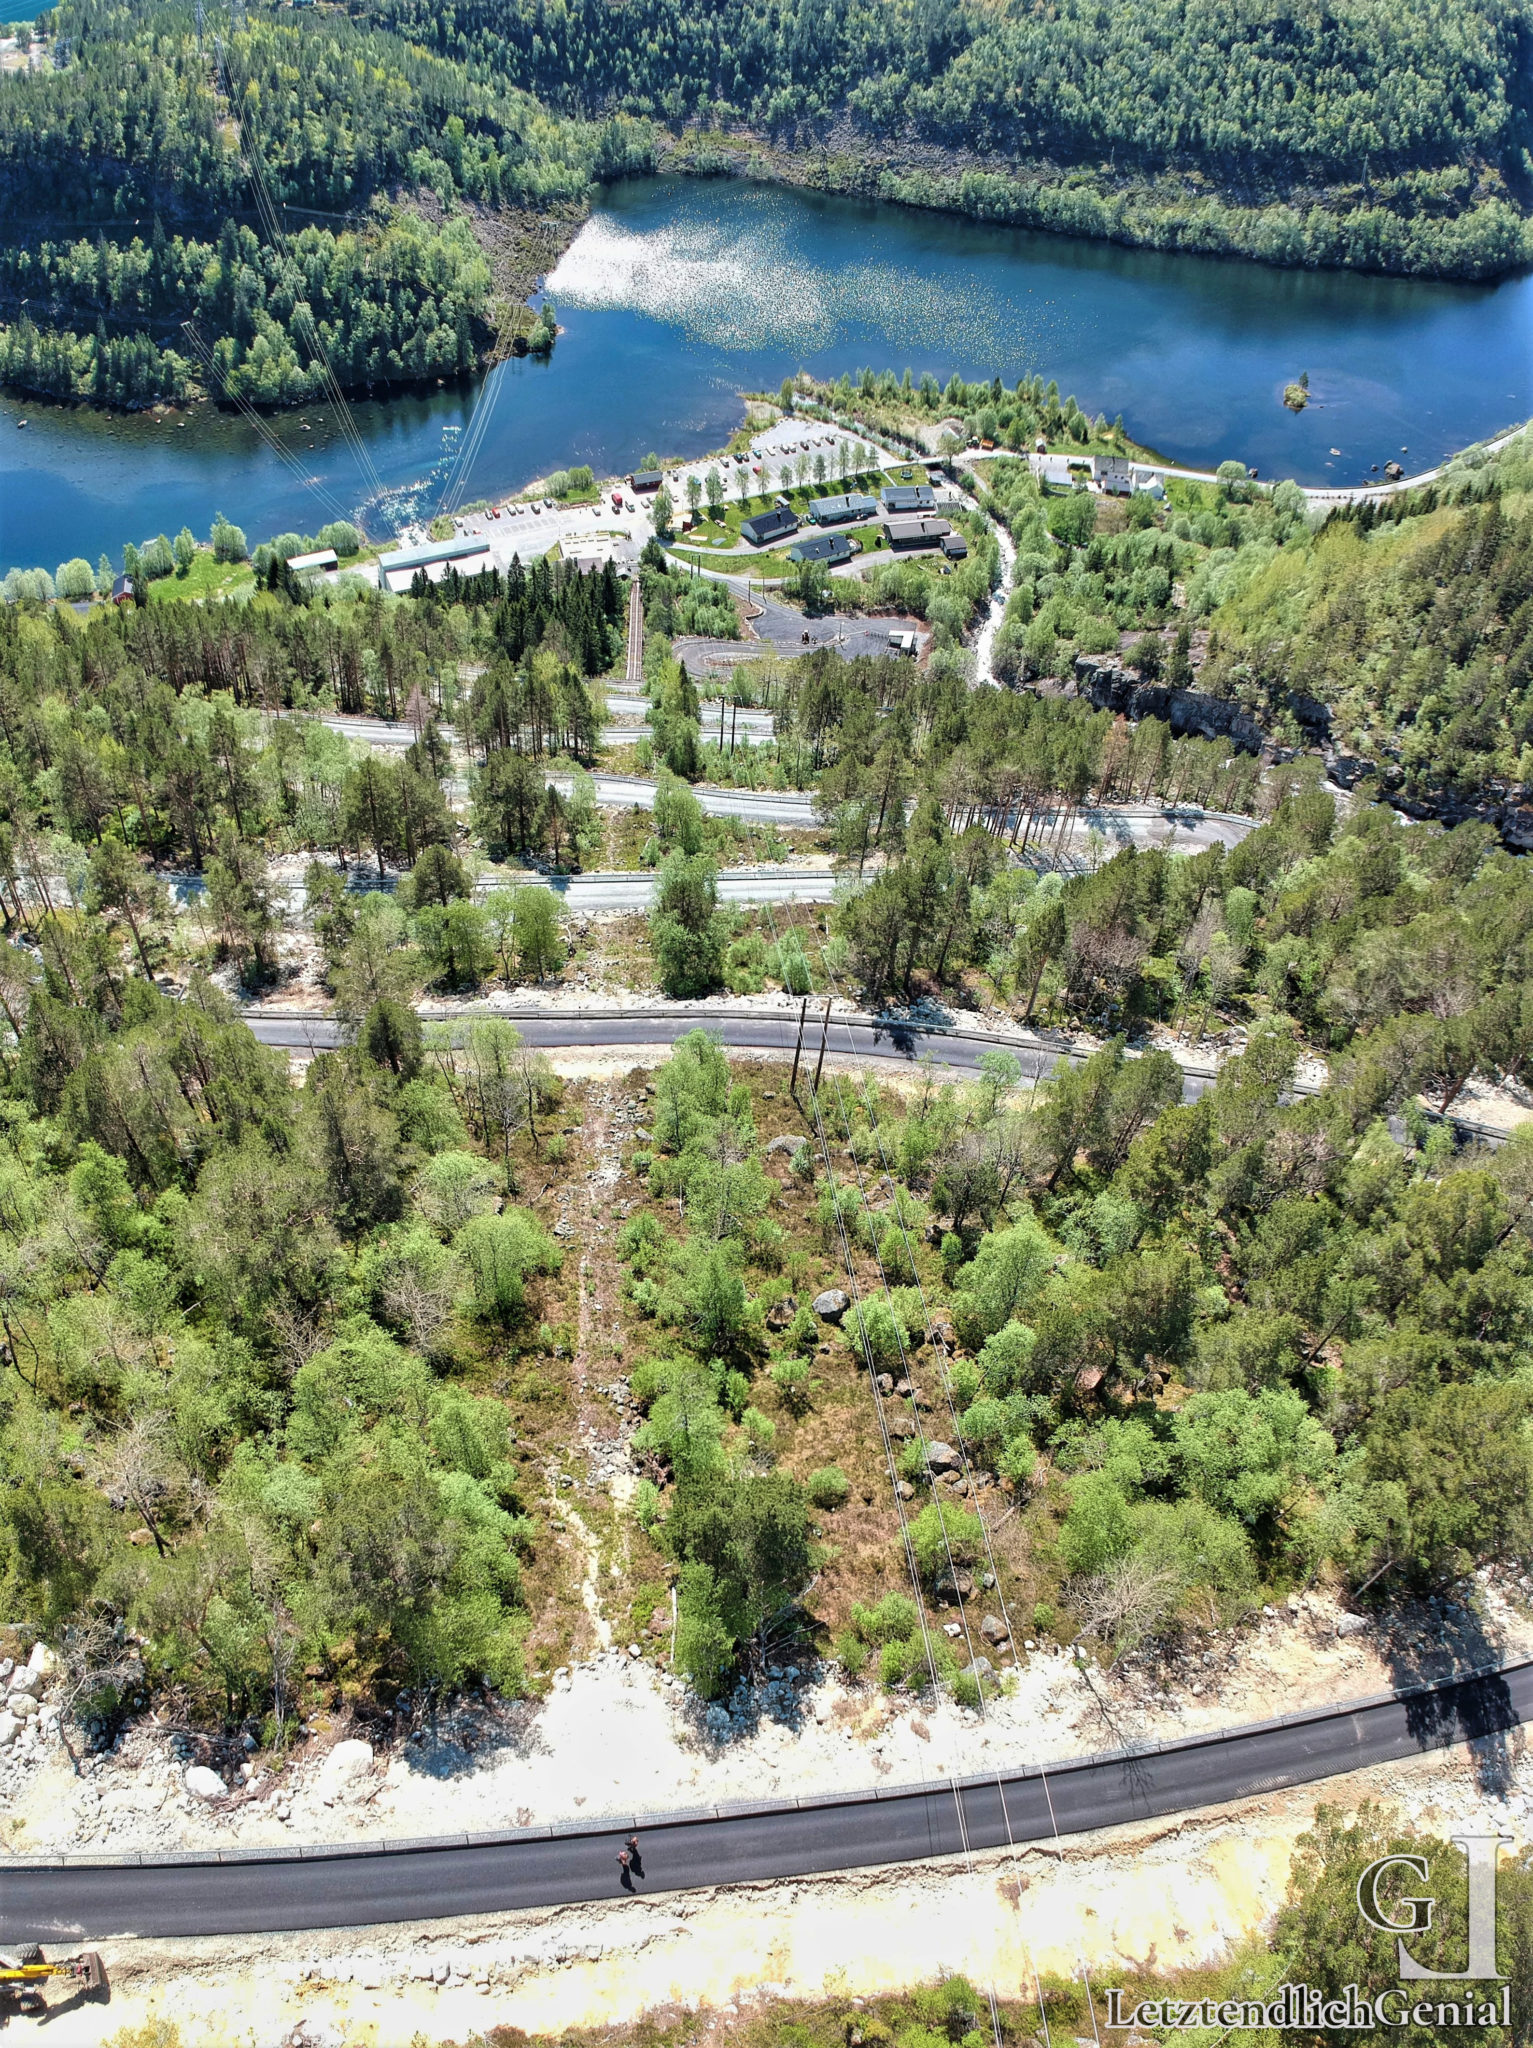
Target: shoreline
[(1169, 213)]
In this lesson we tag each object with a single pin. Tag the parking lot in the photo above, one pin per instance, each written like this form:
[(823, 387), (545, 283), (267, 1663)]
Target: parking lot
[(787, 442)]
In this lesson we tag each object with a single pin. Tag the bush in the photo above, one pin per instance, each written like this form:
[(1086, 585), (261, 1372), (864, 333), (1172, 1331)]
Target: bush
[(790, 964), (828, 1488), (851, 1652), (893, 1619), (228, 541), (499, 1252), (156, 559), (341, 535), (761, 1429), (790, 1376), (882, 1335), (75, 578), (941, 1531)]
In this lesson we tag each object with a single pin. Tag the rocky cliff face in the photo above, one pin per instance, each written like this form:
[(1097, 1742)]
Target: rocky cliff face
[(1111, 687)]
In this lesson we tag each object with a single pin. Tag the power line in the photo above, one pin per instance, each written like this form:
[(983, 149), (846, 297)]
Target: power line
[(968, 1477), (236, 397), (267, 212)]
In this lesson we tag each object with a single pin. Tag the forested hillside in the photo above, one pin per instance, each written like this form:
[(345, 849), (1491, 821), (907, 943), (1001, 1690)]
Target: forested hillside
[(1380, 136), (245, 186), (1376, 134)]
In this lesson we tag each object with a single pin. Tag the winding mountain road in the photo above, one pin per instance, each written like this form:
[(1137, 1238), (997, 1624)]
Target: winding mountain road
[(857, 1036), (759, 1030), (635, 889), (267, 1890)]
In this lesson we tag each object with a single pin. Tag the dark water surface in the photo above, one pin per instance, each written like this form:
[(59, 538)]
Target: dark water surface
[(679, 295)]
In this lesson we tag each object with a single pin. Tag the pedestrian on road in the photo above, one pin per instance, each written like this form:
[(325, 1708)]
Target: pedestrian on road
[(624, 1874), (635, 1860)]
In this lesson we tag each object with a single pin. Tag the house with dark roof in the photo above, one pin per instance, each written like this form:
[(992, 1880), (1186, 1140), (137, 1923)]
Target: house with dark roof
[(954, 546), (1114, 474), (822, 547), (908, 498), (769, 526), (122, 590), (908, 534), (646, 480), (836, 511)]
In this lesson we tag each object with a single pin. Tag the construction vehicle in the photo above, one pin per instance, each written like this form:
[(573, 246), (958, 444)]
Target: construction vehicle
[(23, 1975)]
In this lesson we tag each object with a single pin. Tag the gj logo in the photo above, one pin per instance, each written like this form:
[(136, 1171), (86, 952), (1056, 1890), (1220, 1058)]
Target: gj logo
[(1413, 1913), (1304, 2007)]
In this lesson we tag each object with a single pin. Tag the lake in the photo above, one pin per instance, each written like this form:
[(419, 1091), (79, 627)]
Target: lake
[(678, 295)]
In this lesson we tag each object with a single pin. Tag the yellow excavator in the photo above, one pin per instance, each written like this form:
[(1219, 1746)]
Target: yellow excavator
[(23, 1975)]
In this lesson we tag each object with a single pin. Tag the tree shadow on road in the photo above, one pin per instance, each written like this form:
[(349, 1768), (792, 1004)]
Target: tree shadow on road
[(1427, 1642)]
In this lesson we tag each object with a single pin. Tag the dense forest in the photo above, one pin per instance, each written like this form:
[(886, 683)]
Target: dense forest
[(245, 186), (1382, 136), (285, 1357), (398, 304), (1379, 138)]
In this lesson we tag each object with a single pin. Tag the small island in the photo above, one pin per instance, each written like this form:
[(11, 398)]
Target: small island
[(1296, 395)]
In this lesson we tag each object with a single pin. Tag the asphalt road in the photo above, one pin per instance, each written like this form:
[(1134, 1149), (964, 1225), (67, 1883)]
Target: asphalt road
[(1186, 831), (263, 1891), (636, 890), (764, 806), (746, 1030), (862, 1038)]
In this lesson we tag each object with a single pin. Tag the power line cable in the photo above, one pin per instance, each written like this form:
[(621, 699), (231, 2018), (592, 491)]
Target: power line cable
[(972, 1493), (272, 441), (267, 211)]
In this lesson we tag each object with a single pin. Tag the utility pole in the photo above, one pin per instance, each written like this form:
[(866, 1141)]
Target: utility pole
[(798, 1048), (824, 1032)]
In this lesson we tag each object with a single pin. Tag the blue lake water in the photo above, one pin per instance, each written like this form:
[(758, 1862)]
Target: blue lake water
[(679, 295)]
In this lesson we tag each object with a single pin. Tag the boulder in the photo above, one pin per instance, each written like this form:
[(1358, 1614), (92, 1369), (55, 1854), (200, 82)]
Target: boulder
[(28, 1681), (1088, 1379), (788, 1145), (956, 1584), (22, 1705), (832, 1305), (981, 1667), (203, 1783), (8, 1726), (781, 1313), (1351, 1624), (43, 1660), (994, 1630), (901, 1427), (943, 1458), (345, 1763)]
